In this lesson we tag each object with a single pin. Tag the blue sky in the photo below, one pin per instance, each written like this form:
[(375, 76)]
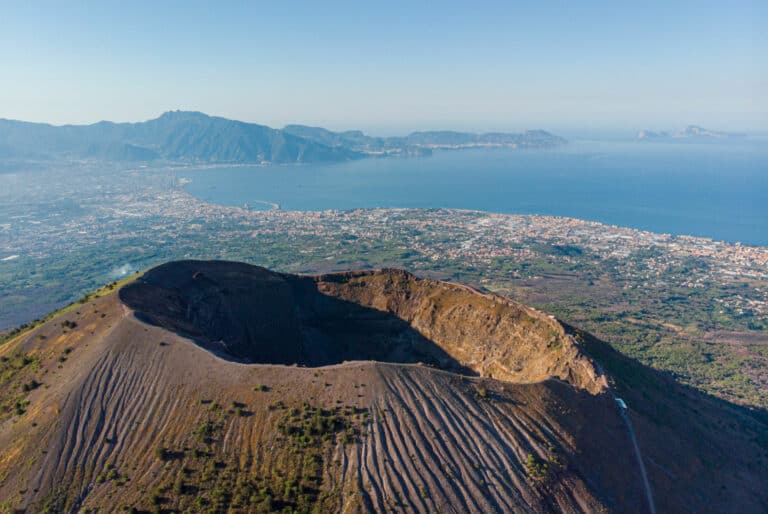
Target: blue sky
[(391, 66)]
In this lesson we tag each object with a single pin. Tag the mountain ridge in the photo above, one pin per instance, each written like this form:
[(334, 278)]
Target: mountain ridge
[(421, 143), (195, 137), (691, 132)]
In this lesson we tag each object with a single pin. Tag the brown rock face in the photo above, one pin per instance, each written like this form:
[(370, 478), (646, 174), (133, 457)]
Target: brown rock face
[(389, 315)]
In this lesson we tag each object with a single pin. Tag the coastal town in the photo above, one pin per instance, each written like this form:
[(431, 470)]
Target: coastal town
[(638, 290)]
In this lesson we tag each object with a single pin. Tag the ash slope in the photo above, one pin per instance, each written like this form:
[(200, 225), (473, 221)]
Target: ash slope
[(147, 403)]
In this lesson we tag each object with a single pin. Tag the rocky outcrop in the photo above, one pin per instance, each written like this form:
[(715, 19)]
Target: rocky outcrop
[(491, 335)]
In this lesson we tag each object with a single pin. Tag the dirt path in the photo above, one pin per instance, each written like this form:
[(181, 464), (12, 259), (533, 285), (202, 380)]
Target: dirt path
[(639, 455)]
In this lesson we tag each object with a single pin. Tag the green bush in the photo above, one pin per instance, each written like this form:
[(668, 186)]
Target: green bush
[(162, 453)]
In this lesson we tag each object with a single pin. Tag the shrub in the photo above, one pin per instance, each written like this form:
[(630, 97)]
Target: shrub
[(162, 453), (205, 431), (537, 469), (30, 386), (20, 406), (178, 487)]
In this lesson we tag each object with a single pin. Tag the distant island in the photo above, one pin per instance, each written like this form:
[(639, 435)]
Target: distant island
[(195, 137), (690, 132)]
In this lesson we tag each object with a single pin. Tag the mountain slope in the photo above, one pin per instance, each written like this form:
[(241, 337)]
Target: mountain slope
[(176, 136), (143, 399), (422, 143), (194, 137)]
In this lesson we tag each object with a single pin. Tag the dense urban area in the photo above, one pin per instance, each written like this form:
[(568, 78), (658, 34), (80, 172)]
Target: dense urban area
[(694, 307)]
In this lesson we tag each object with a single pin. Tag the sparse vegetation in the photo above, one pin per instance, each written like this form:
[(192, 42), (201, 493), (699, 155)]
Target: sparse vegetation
[(162, 453), (16, 382), (206, 431), (26, 327), (537, 469), (69, 324), (206, 482), (30, 386)]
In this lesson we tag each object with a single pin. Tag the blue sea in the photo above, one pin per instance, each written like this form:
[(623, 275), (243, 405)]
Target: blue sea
[(715, 190)]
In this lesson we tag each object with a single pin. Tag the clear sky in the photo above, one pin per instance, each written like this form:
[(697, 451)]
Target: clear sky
[(391, 66)]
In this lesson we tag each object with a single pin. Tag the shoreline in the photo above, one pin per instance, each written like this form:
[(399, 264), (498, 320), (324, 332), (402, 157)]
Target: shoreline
[(277, 207)]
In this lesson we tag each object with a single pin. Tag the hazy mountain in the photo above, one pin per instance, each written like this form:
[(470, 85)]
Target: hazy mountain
[(421, 143), (650, 134), (690, 132), (198, 138), (207, 386), (450, 139), (359, 142), (175, 136)]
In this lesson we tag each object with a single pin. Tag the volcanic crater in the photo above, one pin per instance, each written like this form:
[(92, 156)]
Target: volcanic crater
[(254, 315)]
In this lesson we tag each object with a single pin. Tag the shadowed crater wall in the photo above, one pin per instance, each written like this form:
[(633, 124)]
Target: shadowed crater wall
[(259, 316)]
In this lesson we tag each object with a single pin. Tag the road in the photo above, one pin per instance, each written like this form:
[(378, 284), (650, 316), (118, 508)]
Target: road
[(639, 456)]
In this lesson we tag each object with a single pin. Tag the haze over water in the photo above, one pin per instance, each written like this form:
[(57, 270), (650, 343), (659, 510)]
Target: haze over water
[(716, 190)]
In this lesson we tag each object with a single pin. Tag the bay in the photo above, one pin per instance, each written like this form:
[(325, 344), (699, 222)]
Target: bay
[(715, 190)]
